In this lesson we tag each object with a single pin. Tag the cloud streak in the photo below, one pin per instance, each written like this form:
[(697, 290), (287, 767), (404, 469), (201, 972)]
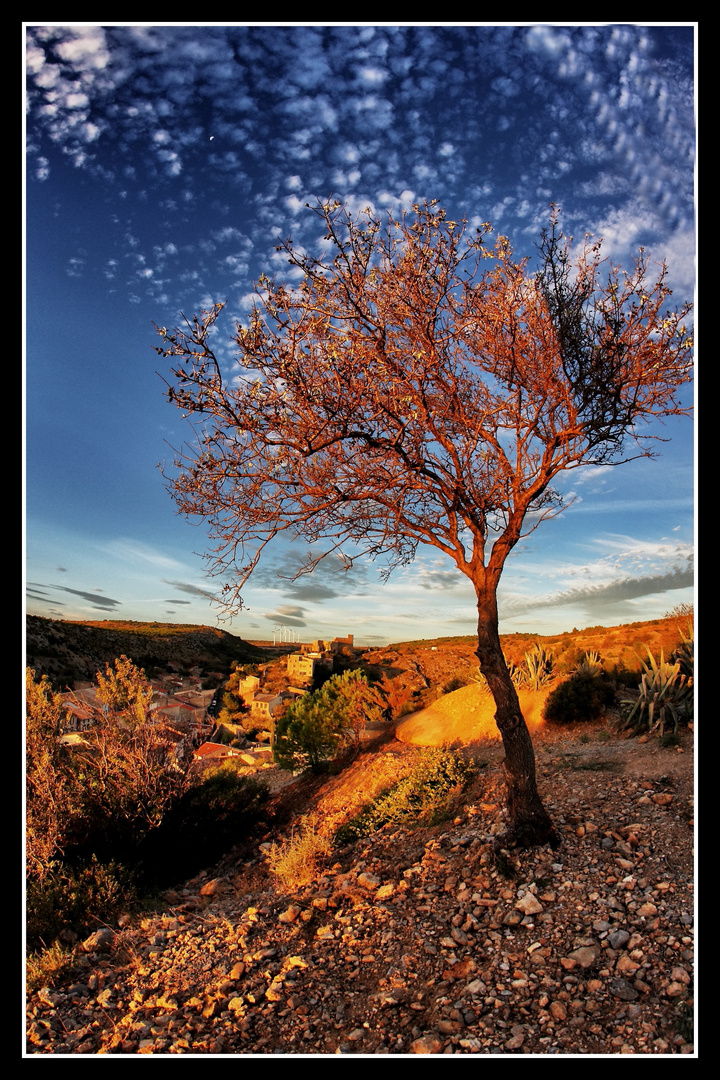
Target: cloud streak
[(104, 603), (601, 595)]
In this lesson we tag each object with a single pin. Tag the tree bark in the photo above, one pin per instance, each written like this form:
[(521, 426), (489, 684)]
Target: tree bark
[(529, 823)]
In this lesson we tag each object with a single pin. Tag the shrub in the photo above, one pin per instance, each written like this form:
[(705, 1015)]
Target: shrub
[(395, 697), (455, 683), (581, 697), (423, 795), (77, 898), (46, 967), (209, 819)]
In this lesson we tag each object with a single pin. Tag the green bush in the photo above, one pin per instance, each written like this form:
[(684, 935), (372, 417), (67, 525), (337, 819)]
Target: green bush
[(79, 898), (317, 727), (581, 697), (422, 796), (209, 819)]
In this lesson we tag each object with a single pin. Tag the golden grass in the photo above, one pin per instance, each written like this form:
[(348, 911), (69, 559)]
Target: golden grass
[(298, 860)]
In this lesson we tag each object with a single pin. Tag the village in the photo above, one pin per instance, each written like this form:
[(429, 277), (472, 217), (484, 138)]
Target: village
[(194, 720)]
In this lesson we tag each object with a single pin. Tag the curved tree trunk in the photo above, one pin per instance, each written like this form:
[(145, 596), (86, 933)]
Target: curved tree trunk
[(530, 824)]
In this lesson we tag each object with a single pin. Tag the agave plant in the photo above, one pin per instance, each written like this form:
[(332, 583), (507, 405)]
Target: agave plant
[(664, 695), (684, 654), (535, 672), (591, 664), (539, 664)]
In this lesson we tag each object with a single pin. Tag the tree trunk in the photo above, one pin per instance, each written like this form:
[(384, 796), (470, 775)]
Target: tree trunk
[(529, 824)]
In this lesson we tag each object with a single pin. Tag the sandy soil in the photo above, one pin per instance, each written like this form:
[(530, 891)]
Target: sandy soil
[(465, 716)]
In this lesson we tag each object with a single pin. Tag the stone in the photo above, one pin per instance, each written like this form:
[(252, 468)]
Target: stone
[(529, 904), (368, 881), (290, 914), (100, 939), (426, 1044), (621, 988), (585, 956)]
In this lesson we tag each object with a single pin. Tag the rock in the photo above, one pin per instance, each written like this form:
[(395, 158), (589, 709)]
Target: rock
[(101, 939), (215, 887), (621, 988), (368, 881), (528, 904), (427, 1044), (586, 955)]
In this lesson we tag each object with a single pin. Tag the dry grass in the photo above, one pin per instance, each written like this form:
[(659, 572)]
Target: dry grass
[(302, 857), (298, 860), (46, 967)]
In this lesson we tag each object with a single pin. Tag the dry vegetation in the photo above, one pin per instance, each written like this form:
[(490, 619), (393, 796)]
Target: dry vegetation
[(412, 933)]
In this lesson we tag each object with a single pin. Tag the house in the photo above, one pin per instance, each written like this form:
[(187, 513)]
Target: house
[(248, 688), (210, 754), (266, 705), (77, 716), (179, 711), (215, 751), (302, 667)]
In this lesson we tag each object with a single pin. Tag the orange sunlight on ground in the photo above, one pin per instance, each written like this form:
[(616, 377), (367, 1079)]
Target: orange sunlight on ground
[(464, 716)]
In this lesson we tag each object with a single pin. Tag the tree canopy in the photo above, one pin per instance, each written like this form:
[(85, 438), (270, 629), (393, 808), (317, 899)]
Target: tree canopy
[(419, 385), (315, 727)]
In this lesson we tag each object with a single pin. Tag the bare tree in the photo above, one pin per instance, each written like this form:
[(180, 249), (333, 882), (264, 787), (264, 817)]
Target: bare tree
[(414, 388)]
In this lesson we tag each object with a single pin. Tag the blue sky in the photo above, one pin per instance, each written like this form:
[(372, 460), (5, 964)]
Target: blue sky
[(165, 163)]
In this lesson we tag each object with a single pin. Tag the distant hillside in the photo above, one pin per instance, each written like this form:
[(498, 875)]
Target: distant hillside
[(438, 665), (70, 652), (616, 644)]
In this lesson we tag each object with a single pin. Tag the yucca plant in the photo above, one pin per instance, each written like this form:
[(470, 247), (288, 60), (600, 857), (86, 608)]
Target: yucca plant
[(663, 696), (516, 674)]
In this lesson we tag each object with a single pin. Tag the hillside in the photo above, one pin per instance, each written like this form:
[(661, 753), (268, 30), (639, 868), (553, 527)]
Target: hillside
[(72, 652), (412, 941), (437, 665)]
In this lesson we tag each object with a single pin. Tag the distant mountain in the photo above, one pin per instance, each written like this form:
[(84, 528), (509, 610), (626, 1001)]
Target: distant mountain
[(72, 652)]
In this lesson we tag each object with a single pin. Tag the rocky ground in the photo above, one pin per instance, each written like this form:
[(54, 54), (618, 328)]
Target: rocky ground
[(415, 941)]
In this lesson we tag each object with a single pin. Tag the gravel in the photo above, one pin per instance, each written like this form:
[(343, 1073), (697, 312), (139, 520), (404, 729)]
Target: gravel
[(414, 942)]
